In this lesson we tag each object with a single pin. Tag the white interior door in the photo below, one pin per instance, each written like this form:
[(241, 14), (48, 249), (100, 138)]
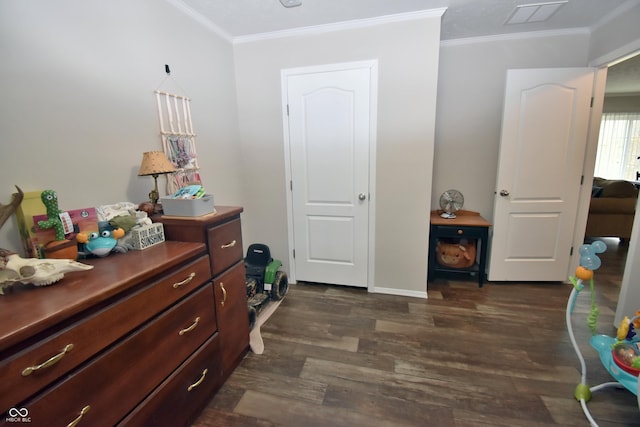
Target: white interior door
[(329, 131), (542, 148)]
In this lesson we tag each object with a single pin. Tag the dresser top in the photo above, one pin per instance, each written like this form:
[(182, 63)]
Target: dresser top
[(463, 218), (27, 310)]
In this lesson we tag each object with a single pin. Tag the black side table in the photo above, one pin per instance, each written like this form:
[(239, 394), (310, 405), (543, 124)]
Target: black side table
[(466, 225)]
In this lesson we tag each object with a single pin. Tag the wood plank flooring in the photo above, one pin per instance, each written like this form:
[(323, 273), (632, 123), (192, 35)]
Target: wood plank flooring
[(467, 356)]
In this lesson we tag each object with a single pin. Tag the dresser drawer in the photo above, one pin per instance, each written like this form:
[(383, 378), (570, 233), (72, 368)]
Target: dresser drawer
[(225, 245), (458, 231), (117, 380), (36, 366), (189, 389)]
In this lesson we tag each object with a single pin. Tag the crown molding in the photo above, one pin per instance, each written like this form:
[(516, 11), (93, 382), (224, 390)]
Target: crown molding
[(582, 31), (369, 22), (618, 55), (206, 23), (340, 26), (617, 12)]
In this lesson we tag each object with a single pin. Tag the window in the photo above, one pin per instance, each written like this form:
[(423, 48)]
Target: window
[(619, 146)]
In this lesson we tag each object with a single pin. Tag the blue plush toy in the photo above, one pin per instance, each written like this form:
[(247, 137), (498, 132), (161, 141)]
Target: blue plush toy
[(100, 244)]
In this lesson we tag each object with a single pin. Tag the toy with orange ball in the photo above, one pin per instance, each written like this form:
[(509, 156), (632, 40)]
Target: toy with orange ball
[(100, 244), (583, 273), (589, 262)]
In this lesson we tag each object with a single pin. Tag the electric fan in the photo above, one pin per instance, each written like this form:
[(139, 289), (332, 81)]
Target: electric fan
[(451, 201)]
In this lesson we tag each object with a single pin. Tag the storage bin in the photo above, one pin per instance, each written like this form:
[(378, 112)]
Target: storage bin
[(188, 207)]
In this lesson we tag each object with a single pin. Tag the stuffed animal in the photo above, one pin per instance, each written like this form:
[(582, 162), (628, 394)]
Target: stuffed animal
[(456, 255), (136, 220), (100, 243), (50, 200)]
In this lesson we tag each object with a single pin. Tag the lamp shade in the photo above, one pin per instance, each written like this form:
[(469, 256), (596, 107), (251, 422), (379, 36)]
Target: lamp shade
[(155, 163)]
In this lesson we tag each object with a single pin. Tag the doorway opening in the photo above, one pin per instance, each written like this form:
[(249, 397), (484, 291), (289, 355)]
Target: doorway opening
[(618, 151)]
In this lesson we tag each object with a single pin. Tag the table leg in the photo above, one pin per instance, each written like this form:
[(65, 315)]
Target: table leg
[(483, 256)]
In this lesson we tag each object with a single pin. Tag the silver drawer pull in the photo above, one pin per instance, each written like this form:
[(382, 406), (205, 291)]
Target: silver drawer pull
[(185, 281), (75, 422), (50, 362), (190, 328), (197, 383), (228, 245)]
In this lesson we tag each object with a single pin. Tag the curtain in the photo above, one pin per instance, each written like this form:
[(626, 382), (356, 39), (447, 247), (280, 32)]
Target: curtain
[(619, 146)]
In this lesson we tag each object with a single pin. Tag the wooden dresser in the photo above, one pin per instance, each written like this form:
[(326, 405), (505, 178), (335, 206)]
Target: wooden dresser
[(134, 341), (222, 233)]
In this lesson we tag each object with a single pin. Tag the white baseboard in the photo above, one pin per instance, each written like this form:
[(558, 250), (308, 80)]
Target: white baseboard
[(400, 292)]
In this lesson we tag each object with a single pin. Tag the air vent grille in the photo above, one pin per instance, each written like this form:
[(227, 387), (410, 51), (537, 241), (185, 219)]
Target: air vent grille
[(535, 12)]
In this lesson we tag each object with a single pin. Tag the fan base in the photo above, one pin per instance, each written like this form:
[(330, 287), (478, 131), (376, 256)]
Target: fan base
[(448, 215)]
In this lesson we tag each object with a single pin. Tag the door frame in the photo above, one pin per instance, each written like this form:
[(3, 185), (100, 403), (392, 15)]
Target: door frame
[(285, 74), (601, 66), (588, 167), (628, 286)]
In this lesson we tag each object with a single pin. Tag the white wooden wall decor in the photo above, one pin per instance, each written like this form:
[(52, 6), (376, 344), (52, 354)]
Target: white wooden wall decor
[(178, 139)]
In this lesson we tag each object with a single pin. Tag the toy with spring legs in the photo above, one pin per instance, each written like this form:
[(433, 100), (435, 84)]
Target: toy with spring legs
[(604, 345)]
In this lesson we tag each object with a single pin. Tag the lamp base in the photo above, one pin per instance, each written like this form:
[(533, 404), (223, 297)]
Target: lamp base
[(154, 195)]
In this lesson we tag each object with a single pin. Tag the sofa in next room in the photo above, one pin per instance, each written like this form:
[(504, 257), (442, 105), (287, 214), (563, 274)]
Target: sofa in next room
[(612, 208)]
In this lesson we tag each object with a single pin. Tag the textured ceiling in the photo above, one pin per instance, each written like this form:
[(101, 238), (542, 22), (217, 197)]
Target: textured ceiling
[(462, 19)]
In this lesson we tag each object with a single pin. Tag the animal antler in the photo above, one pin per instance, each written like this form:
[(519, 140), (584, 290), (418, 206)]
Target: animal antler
[(7, 210)]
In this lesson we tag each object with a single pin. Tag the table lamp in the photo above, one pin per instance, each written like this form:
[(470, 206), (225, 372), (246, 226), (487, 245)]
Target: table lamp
[(155, 163)]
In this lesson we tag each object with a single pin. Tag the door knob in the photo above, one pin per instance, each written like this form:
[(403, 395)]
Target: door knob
[(362, 196), (504, 193)]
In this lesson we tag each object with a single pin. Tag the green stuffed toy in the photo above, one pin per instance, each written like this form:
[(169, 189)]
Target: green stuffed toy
[(50, 200)]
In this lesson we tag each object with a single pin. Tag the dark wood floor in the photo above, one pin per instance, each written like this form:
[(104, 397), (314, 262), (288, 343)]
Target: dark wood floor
[(495, 356)]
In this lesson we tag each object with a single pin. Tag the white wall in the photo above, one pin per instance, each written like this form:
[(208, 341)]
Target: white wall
[(78, 107), (408, 62), (78, 110), (469, 108), (629, 299), (470, 99)]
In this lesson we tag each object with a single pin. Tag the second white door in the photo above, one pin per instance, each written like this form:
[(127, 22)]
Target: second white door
[(542, 149), (329, 131)]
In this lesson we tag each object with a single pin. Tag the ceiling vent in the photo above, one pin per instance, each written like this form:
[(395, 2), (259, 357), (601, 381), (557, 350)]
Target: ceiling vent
[(537, 12), (291, 3)]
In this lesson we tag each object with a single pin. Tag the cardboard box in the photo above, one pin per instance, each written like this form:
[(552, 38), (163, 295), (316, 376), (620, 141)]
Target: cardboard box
[(188, 207), (83, 220), (32, 210), (31, 205)]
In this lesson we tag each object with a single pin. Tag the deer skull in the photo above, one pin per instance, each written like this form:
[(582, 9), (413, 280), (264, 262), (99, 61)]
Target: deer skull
[(40, 272)]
